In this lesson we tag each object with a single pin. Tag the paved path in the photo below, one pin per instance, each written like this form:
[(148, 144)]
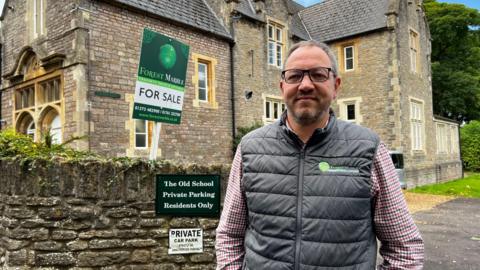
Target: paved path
[(451, 232)]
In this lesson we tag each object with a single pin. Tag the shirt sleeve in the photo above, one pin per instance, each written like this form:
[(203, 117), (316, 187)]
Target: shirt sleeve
[(401, 245), (233, 221)]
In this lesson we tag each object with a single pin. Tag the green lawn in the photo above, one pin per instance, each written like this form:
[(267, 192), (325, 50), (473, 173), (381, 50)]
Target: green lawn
[(466, 187)]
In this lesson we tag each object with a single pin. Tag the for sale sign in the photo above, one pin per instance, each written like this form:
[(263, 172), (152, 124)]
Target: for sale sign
[(160, 86), (183, 241)]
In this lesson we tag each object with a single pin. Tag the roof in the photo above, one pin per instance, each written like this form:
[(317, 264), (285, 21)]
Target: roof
[(245, 7), (335, 19), (296, 26), (194, 13)]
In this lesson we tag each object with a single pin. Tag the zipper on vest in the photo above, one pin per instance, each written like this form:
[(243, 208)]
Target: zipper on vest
[(298, 233)]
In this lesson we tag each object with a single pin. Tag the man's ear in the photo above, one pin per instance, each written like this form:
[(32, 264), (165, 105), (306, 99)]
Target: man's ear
[(338, 82), (281, 86)]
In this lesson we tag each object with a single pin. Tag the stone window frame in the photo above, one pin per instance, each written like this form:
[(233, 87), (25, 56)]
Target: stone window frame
[(447, 137), (42, 111), (343, 109), (211, 63), (133, 151), (417, 125), (274, 42), (272, 111), (37, 20), (354, 44), (414, 49)]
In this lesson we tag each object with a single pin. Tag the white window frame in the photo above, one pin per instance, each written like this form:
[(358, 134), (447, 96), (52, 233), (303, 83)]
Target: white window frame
[(275, 105), (275, 44), (346, 59), (140, 133), (417, 124), (414, 50), (207, 83), (343, 109)]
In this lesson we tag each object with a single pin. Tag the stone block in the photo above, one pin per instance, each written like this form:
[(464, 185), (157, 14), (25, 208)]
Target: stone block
[(77, 213), (208, 223), (77, 245), (159, 233), (11, 244), (47, 246), (121, 212), (55, 213), (157, 222), (105, 244), (99, 259), (42, 201), (205, 257), (139, 243), (17, 258), (63, 235), (183, 223), (140, 256), (55, 259), (127, 223), (131, 233)]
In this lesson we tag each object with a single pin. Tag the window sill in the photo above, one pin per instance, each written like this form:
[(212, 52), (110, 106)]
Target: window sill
[(205, 104)]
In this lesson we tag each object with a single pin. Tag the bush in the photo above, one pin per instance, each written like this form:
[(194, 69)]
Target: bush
[(17, 145), (470, 143), (242, 131)]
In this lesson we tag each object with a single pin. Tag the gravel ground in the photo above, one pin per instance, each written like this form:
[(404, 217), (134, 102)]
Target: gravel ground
[(422, 202)]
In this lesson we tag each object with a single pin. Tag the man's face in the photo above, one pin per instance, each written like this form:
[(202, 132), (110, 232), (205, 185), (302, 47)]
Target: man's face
[(309, 102)]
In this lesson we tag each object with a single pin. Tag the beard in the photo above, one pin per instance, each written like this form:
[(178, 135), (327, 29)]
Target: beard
[(306, 116)]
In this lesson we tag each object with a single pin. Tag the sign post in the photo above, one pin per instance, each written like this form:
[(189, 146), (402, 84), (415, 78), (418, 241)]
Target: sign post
[(160, 85)]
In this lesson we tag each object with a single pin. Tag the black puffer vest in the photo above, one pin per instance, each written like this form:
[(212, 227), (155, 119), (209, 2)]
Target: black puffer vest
[(309, 206)]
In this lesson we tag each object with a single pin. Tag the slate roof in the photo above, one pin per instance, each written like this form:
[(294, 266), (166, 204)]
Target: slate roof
[(245, 7), (335, 19), (296, 26), (194, 13)]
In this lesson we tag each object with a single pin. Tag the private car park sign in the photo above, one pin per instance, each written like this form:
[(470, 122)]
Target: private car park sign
[(160, 86)]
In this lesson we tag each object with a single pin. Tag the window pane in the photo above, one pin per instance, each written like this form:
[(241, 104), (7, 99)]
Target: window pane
[(267, 109), (271, 52), (56, 130), (270, 31), (348, 52), (279, 55), (349, 64), (275, 110), (279, 35), (140, 140), (202, 94), (351, 112), (283, 107), (140, 126)]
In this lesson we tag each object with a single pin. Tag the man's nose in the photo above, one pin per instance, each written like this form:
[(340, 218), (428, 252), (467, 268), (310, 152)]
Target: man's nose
[(306, 83)]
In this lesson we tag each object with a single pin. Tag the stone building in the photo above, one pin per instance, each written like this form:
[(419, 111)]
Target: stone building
[(70, 66), (238, 47)]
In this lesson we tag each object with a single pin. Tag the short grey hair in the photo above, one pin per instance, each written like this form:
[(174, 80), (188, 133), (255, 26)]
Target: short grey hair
[(321, 45)]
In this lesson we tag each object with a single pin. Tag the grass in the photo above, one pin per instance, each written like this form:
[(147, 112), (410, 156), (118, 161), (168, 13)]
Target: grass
[(466, 187)]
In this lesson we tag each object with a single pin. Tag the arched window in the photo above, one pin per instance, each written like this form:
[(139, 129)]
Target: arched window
[(26, 125), (51, 122)]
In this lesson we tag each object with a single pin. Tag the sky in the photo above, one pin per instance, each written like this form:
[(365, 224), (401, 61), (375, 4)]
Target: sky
[(468, 3)]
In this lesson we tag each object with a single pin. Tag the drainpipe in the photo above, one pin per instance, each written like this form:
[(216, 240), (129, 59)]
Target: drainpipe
[(1, 92), (234, 18), (460, 151)]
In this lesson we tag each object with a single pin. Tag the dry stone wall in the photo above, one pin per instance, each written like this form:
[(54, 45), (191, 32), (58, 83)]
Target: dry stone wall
[(93, 215)]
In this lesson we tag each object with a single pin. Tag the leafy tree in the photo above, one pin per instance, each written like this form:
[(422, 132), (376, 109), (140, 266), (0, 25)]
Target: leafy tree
[(470, 142), (242, 131), (455, 59)]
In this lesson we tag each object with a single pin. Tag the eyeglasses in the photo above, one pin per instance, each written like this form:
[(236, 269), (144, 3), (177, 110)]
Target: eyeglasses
[(318, 74)]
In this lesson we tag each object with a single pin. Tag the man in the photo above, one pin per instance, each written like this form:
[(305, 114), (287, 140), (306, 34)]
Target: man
[(311, 191)]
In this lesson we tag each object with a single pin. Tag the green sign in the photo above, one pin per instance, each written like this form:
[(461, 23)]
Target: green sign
[(187, 195), (160, 86)]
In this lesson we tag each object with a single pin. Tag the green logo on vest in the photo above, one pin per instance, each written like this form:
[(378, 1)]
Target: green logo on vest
[(323, 166)]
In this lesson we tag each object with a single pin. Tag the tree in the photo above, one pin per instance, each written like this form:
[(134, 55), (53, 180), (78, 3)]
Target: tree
[(455, 33), (470, 142)]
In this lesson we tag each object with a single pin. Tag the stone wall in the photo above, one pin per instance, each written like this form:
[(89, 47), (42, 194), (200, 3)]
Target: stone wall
[(93, 215)]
